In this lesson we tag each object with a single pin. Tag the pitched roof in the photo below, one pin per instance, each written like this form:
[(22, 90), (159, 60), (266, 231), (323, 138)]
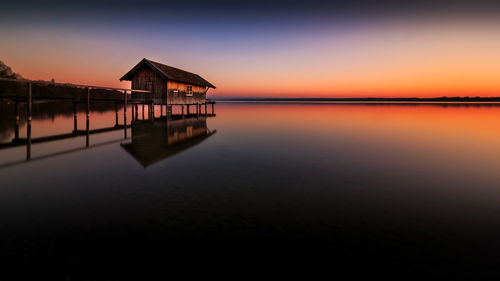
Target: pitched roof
[(169, 72)]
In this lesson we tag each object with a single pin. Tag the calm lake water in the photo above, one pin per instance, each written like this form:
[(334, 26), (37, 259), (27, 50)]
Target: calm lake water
[(262, 190)]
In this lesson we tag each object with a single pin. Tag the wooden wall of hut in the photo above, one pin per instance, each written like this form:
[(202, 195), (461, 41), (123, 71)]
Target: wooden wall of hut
[(147, 79), (177, 93)]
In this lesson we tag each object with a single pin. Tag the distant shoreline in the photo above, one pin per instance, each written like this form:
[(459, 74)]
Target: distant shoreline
[(412, 100)]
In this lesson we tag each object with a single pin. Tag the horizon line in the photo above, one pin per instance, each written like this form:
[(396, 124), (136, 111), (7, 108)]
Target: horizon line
[(442, 98)]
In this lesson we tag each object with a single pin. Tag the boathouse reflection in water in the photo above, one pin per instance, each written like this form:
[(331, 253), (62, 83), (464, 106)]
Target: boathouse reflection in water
[(169, 129), (152, 142)]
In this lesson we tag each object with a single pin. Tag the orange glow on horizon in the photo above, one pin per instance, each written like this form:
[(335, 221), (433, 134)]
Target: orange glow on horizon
[(445, 58)]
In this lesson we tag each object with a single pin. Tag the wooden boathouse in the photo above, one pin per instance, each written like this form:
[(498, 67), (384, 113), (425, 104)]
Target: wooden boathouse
[(168, 85)]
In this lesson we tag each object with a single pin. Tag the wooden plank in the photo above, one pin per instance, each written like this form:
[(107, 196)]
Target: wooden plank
[(70, 85)]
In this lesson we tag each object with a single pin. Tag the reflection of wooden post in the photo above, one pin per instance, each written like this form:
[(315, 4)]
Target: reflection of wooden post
[(125, 114), (87, 111), (75, 120), (116, 114), (28, 129), (16, 132)]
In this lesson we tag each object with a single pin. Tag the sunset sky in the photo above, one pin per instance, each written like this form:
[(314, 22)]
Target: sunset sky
[(265, 48)]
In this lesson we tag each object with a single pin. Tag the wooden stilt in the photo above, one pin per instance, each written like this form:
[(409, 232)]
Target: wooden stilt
[(182, 110), (87, 110), (212, 109), (16, 131), (205, 109), (142, 111), (152, 114), (132, 111), (125, 114), (28, 129)]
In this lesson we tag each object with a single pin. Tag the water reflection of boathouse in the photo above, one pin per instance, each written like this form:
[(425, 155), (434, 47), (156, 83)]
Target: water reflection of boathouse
[(152, 142)]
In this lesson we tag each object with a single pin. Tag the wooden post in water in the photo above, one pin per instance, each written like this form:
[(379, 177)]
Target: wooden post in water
[(16, 131), (152, 112), (212, 109), (182, 110), (142, 111), (136, 113), (187, 109), (125, 114), (205, 109), (28, 129), (132, 111), (87, 111)]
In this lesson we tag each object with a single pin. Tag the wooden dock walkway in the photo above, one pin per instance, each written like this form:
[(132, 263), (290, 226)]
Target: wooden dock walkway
[(22, 92)]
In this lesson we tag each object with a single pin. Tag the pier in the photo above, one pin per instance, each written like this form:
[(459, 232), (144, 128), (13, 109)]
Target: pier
[(21, 92)]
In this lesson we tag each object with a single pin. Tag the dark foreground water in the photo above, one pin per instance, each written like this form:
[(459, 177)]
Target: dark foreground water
[(261, 191)]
